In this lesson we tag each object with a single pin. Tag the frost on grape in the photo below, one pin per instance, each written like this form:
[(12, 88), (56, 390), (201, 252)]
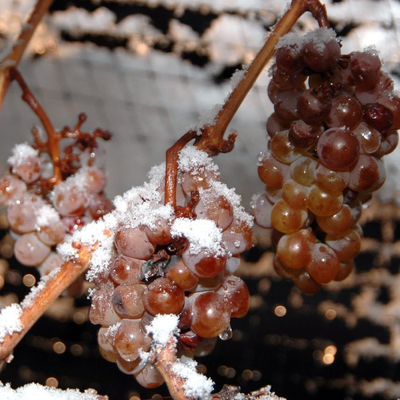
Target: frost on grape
[(197, 386), (10, 321), (319, 37), (191, 160), (36, 391), (163, 328), (21, 153)]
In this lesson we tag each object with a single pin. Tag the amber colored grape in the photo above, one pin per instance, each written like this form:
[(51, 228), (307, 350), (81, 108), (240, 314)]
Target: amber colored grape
[(294, 250), (346, 245), (149, 377), (178, 273), (368, 174), (346, 111), (11, 188), (378, 116), (295, 194), (236, 293), (101, 310), (302, 171), (324, 204), (163, 297), (128, 301), (275, 125), (324, 264), (125, 270), (282, 149), (285, 272), (286, 218), (370, 139), (217, 209), (261, 209), (211, 314), (203, 264), (388, 144), (304, 136), (331, 181), (345, 269), (130, 338), (338, 148), (134, 243), (238, 237), (272, 172), (306, 283), (337, 223)]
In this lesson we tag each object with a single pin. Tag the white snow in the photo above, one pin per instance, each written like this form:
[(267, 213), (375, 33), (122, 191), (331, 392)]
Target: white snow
[(197, 386), (21, 153), (202, 234), (162, 328), (35, 391), (10, 321)]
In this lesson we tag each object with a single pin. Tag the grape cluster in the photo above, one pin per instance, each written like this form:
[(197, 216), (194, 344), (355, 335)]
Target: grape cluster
[(39, 217), (166, 261), (335, 117)]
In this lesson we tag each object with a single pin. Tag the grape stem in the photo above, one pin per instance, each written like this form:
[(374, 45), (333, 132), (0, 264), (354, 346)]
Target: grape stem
[(210, 138), (52, 135), (14, 57), (52, 289)]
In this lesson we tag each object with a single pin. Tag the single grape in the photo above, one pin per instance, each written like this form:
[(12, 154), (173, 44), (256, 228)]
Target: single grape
[(53, 233), (53, 261), (288, 58), (324, 264), (261, 209), (11, 189), (306, 283), (282, 148), (286, 106), (302, 171), (346, 111), (286, 218), (95, 180), (378, 116), (345, 269), (134, 243), (204, 264), (368, 174), (370, 139), (215, 208), (238, 237), (294, 250), (163, 297), (294, 194), (130, 338), (149, 377), (276, 124), (324, 204), (235, 291), (271, 171), (70, 200), (160, 233), (313, 107), (178, 273), (366, 68), (127, 301), (388, 144), (331, 181), (338, 149), (337, 223), (101, 310), (321, 56), (30, 251), (125, 270), (99, 206), (211, 314), (346, 245)]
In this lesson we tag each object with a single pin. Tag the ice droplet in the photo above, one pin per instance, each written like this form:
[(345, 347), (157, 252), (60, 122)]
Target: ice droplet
[(226, 334)]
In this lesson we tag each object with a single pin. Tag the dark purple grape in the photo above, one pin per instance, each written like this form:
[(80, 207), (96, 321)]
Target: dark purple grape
[(378, 116), (313, 107)]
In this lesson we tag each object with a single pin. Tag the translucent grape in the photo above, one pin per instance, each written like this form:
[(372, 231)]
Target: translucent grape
[(95, 180), (238, 237), (211, 314), (261, 209), (294, 250), (196, 179), (302, 171), (30, 251), (324, 204), (368, 174), (370, 139), (160, 233), (52, 234), (217, 209), (337, 223), (313, 107), (272, 172), (338, 149), (235, 291), (163, 297), (275, 125), (29, 170), (286, 105), (346, 245), (282, 149), (99, 206), (287, 219), (53, 261), (324, 264), (126, 271), (303, 135), (129, 338), (149, 377), (331, 181), (134, 243), (101, 310), (11, 189), (306, 283), (345, 269), (346, 111), (178, 273), (204, 264), (21, 214), (388, 144), (294, 194), (69, 200), (128, 301)]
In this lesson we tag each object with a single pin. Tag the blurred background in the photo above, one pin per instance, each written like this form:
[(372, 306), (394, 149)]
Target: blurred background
[(147, 70)]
